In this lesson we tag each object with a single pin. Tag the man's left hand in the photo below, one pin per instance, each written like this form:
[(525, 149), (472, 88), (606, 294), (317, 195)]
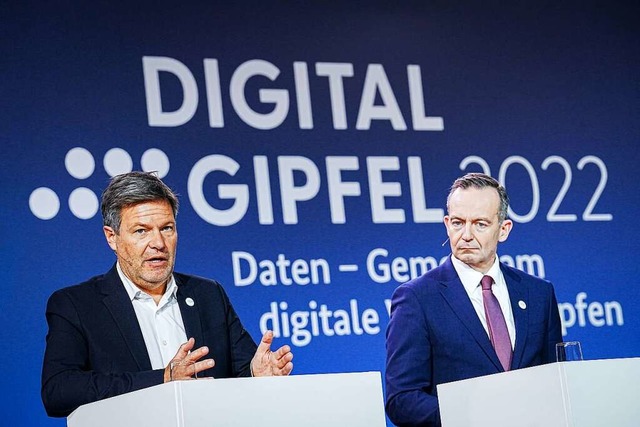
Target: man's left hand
[(267, 363)]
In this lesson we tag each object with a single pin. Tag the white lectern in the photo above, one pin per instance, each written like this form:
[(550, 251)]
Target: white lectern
[(590, 393), (352, 399)]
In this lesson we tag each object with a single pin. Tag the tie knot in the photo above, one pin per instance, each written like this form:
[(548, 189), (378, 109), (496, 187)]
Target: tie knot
[(486, 283)]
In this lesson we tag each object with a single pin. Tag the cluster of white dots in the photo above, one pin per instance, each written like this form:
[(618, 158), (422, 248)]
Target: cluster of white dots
[(79, 162)]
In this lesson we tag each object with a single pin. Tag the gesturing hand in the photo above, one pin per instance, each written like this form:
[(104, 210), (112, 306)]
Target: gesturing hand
[(267, 363), (185, 364)]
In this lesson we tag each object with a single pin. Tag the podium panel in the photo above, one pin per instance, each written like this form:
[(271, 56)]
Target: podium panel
[(590, 393), (351, 399)]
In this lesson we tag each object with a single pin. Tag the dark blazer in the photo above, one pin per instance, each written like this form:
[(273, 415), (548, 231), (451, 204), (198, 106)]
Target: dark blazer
[(434, 336), (95, 347)]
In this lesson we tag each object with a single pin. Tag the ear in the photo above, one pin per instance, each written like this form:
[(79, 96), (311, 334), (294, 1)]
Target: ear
[(110, 235), (505, 229), (446, 223)]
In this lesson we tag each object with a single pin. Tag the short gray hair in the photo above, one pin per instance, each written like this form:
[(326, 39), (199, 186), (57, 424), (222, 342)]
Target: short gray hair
[(130, 189), (481, 180)]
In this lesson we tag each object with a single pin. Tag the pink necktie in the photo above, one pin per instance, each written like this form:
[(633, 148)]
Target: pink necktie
[(498, 332)]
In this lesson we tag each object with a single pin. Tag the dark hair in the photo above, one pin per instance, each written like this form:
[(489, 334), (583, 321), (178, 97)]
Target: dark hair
[(481, 180), (130, 189)]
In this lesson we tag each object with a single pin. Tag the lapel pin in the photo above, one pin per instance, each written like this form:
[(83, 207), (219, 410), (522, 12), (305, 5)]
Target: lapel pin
[(191, 303), (522, 304)]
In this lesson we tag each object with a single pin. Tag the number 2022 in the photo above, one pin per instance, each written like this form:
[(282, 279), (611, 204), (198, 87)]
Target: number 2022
[(552, 215)]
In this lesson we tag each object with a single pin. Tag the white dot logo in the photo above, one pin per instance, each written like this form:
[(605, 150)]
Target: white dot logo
[(83, 203), (117, 161), (155, 160), (80, 164), (44, 203)]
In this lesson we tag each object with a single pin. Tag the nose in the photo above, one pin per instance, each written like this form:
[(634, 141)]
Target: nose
[(157, 240), (466, 232)]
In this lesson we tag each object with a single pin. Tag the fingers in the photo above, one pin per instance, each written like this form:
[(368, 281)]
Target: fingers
[(286, 370), (186, 369), (266, 362), (185, 353), (282, 351), (184, 349), (265, 342), (282, 365), (198, 354), (203, 365), (283, 357), (186, 363)]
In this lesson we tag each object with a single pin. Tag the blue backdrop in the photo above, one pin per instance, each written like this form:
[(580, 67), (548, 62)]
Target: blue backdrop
[(312, 145)]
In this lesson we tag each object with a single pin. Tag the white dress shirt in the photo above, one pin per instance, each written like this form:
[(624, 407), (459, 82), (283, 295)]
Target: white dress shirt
[(161, 325), (471, 278)]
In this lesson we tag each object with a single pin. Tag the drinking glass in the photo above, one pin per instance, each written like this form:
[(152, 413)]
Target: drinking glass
[(568, 351)]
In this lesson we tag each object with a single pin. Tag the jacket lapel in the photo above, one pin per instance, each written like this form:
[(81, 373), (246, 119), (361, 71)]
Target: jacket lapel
[(119, 305), (519, 297), (190, 310), (453, 292)]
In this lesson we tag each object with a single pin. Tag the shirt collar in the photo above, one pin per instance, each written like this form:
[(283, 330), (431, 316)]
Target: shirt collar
[(470, 278), (134, 292)]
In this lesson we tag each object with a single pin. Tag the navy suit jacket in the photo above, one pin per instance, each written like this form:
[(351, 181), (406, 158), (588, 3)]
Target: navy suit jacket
[(95, 347), (434, 336)]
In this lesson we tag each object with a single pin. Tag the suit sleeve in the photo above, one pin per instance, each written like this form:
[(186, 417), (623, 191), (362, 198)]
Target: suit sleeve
[(554, 331), (408, 375), (242, 346), (68, 380)]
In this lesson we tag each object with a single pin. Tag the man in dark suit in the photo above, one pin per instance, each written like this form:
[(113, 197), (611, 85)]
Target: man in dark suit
[(128, 329), (469, 317)]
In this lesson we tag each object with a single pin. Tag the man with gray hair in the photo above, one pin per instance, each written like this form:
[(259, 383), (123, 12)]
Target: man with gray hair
[(141, 323), (469, 317)]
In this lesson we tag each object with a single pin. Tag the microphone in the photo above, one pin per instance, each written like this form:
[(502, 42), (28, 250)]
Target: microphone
[(445, 242)]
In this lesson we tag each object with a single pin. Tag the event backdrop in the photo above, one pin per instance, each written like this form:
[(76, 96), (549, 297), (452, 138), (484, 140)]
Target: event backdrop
[(312, 145)]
